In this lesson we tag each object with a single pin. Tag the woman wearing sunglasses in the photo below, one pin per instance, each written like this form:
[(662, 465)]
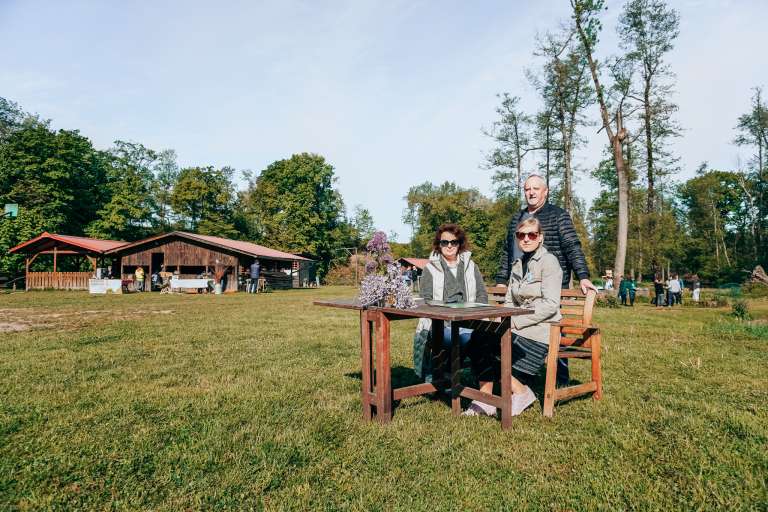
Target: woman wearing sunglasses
[(450, 276), (534, 283)]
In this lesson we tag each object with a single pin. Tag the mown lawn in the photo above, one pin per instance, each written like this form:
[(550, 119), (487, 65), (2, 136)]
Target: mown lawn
[(186, 402)]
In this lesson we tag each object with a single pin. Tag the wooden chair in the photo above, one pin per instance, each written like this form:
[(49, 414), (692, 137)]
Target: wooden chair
[(575, 337)]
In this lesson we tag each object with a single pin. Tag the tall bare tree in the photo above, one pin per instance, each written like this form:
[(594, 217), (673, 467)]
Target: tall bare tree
[(647, 31), (511, 133), (753, 132), (612, 112), (564, 85)]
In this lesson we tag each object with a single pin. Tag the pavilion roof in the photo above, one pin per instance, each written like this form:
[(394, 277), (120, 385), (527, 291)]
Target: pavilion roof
[(419, 263), (240, 246), (47, 241)]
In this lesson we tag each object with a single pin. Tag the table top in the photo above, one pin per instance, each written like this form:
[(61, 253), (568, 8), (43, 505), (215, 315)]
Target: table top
[(434, 312)]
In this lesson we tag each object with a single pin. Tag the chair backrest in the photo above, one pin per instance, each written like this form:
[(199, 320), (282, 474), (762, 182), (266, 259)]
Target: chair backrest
[(575, 306), (496, 294)]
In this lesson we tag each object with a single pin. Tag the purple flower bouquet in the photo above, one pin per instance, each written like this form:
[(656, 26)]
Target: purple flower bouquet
[(383, 284)]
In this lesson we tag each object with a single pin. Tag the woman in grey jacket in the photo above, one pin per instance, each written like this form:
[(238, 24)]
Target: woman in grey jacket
[(450, 276), (534, 283)]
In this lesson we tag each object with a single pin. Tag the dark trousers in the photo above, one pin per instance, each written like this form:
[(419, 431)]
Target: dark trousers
[(483, 351)]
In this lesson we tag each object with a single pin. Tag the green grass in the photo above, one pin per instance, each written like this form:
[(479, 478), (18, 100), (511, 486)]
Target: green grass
[(186, 402)]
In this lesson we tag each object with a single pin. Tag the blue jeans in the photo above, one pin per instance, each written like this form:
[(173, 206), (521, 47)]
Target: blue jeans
[(464, 336)]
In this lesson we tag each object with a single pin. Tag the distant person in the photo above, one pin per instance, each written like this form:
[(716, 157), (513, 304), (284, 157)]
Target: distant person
[(138, 276), (255, 271), (679, 296), (623, 290), (632, 289), (673, 291), (406, 275), (658, 289), (696, 296)]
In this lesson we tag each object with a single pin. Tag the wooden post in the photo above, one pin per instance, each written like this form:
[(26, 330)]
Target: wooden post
[(366, 368), (54, 258), (383, 370), (506, 374), (26, 276), (455, 369)]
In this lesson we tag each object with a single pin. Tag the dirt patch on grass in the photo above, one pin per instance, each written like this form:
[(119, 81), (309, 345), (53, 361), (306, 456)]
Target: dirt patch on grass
[(18, 320), (13, 326)]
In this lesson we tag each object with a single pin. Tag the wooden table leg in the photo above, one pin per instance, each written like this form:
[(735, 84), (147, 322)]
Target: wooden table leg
[(383, 370), (366, 368), (455, 369), (506, 375), (438, 354)]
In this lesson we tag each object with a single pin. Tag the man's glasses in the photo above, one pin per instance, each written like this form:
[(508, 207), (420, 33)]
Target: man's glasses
[(446, 243), (529, 236)]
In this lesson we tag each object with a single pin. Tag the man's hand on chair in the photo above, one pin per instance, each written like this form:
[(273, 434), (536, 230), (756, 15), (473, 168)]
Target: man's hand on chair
[(586, 284)]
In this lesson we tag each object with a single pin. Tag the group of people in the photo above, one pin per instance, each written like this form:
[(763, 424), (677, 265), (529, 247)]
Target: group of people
[(540, 252), (669, 292)]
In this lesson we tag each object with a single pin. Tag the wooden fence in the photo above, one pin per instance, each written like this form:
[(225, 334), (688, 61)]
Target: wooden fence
[(58, 280)]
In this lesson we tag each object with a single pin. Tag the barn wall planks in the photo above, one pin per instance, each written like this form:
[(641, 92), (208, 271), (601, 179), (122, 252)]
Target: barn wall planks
[(180, 253)]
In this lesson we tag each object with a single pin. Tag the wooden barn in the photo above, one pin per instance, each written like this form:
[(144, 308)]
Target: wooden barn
[(190, 255)]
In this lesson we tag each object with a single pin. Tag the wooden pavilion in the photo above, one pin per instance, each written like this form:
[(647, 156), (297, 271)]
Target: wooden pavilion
[(190, 255), (57, 245)]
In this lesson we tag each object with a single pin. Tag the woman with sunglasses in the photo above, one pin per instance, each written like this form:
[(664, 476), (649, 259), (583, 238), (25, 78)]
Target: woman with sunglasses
[(450, 276), (534, 283)]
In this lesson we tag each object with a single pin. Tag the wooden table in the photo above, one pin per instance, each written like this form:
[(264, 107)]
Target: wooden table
[(377, 392)]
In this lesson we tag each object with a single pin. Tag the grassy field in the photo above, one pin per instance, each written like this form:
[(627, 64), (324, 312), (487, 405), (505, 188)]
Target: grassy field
[(188, 402)]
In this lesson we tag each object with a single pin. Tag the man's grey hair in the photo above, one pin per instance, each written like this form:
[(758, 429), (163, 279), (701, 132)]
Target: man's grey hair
[(537, 176)]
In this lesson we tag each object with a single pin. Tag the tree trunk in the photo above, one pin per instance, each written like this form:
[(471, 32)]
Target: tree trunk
[(549, 142), (622, 230), (651, 198), (615, 140), (519, 162)]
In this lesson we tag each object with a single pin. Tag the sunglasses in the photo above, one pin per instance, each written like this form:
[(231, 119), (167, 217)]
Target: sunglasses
[(446, 243), (529, 236)]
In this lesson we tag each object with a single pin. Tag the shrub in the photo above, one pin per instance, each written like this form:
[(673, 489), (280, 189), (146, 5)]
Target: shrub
[(740, 309), (755, 290), (608, 301)]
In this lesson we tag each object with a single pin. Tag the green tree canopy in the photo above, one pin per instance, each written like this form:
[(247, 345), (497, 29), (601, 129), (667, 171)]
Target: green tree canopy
[(204, 199), (298, 209)]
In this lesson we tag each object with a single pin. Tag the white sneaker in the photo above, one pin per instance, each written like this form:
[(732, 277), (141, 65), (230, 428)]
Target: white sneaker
[(479, 409), (521, 401)]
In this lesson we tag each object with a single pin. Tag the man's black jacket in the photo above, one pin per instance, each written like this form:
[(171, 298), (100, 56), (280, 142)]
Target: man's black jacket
[(560, 239)]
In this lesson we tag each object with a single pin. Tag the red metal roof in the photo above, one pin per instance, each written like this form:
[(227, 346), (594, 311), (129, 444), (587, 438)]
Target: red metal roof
[(248, 247), (87, 244), (236, 245), (419, 263)]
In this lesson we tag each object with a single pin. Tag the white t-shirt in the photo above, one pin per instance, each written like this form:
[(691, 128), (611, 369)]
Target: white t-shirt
[(674, 285)]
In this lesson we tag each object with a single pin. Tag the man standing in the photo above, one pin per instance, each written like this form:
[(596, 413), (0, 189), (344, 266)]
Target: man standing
[(255, 270), (139, 279), (560, 239)]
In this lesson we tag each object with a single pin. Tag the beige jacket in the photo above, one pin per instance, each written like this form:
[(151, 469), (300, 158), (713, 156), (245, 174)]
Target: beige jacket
[(539, 290)]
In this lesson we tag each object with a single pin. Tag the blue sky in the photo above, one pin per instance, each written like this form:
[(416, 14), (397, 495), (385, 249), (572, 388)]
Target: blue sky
[(392, 93)]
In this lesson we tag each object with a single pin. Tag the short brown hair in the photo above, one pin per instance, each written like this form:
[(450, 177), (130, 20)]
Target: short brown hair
[(456, 231)]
